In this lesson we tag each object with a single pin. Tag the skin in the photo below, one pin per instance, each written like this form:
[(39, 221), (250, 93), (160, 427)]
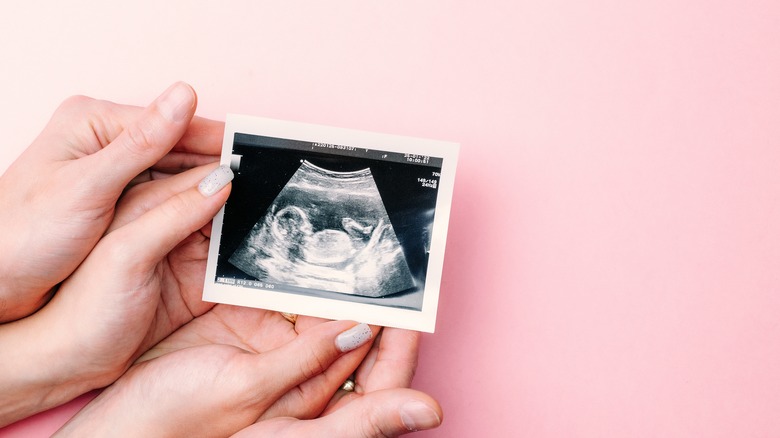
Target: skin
[(373, 408), (132, 287), (64, 187), (189, 368), (141, 282), (225, 368), (111, 219)]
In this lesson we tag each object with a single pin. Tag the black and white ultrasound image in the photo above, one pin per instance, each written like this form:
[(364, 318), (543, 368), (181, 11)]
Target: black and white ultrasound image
[(328, 225)]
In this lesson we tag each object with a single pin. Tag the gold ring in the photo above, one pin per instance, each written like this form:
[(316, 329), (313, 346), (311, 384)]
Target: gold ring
[(292, 317), (349, 385)]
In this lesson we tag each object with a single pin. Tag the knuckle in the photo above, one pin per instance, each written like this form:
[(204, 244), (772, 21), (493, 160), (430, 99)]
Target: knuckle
[(180, 215), (93, 116), (138, 137), (177, 208), (75, 103), (372, 426), (314, 364), (84, 107), (73, 110)]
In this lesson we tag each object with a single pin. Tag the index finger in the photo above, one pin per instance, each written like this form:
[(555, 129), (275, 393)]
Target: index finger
[(392, 362)]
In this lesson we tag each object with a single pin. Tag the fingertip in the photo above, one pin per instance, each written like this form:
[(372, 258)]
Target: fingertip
[(215, 181), (418, 415), (177, 102), (354, 337), (390, 412)]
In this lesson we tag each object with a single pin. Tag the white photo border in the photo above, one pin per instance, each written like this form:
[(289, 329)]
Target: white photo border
[(421, 320)]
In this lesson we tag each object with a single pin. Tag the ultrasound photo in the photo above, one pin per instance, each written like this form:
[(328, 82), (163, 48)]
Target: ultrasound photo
[(332, 223), (327, 230)]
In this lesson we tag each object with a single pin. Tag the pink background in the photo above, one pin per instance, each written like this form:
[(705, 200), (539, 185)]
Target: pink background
[(613, 262)]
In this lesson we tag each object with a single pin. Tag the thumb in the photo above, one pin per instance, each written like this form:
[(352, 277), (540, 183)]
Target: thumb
[(386, 413), (145, 141)]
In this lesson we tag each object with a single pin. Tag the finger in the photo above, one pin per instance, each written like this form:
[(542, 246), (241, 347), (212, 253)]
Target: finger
[(153, 235), (311, 397), (145, 141), (176, 162), (387, 413), (203, 137), (307, 356), (392, 361), (170, 165), (201, 144), (303, 322), (143, 197)]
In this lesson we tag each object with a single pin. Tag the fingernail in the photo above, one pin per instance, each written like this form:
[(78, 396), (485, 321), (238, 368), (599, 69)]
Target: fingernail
[(416, 415), (353, 338), (217, 179), (176, 102)]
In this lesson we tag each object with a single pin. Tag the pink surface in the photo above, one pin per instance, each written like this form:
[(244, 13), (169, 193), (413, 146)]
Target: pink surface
[(613, 263)]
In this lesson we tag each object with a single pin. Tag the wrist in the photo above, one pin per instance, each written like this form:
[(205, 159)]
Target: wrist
[(117, 412)]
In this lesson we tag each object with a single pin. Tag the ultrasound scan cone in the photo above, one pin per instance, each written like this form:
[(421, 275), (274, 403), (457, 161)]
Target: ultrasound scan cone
[(330, 231)]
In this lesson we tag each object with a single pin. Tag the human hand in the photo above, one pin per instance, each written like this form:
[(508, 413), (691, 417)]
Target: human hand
[(61, 192), (212, 342), (379, 406), (221, 371), (140, 283), (380, 414)]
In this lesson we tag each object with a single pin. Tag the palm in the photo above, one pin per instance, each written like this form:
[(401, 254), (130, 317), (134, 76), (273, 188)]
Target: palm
[(180, 284), (179, 280), (124, 304), (212, 337), (224, 368), (390, 363), (257, 331), (254, 330)]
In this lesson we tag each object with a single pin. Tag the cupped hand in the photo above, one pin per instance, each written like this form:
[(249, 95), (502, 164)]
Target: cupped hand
[(379, 406), (236, 367), (144, 278), (61, 192), (181, 369), (222, 371), (142, 281)]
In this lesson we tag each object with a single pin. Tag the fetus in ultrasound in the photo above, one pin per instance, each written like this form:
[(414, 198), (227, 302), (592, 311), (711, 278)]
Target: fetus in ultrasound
[(330, 231)]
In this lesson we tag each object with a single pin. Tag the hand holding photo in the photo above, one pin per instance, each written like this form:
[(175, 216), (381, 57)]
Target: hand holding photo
[(332, 223)]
